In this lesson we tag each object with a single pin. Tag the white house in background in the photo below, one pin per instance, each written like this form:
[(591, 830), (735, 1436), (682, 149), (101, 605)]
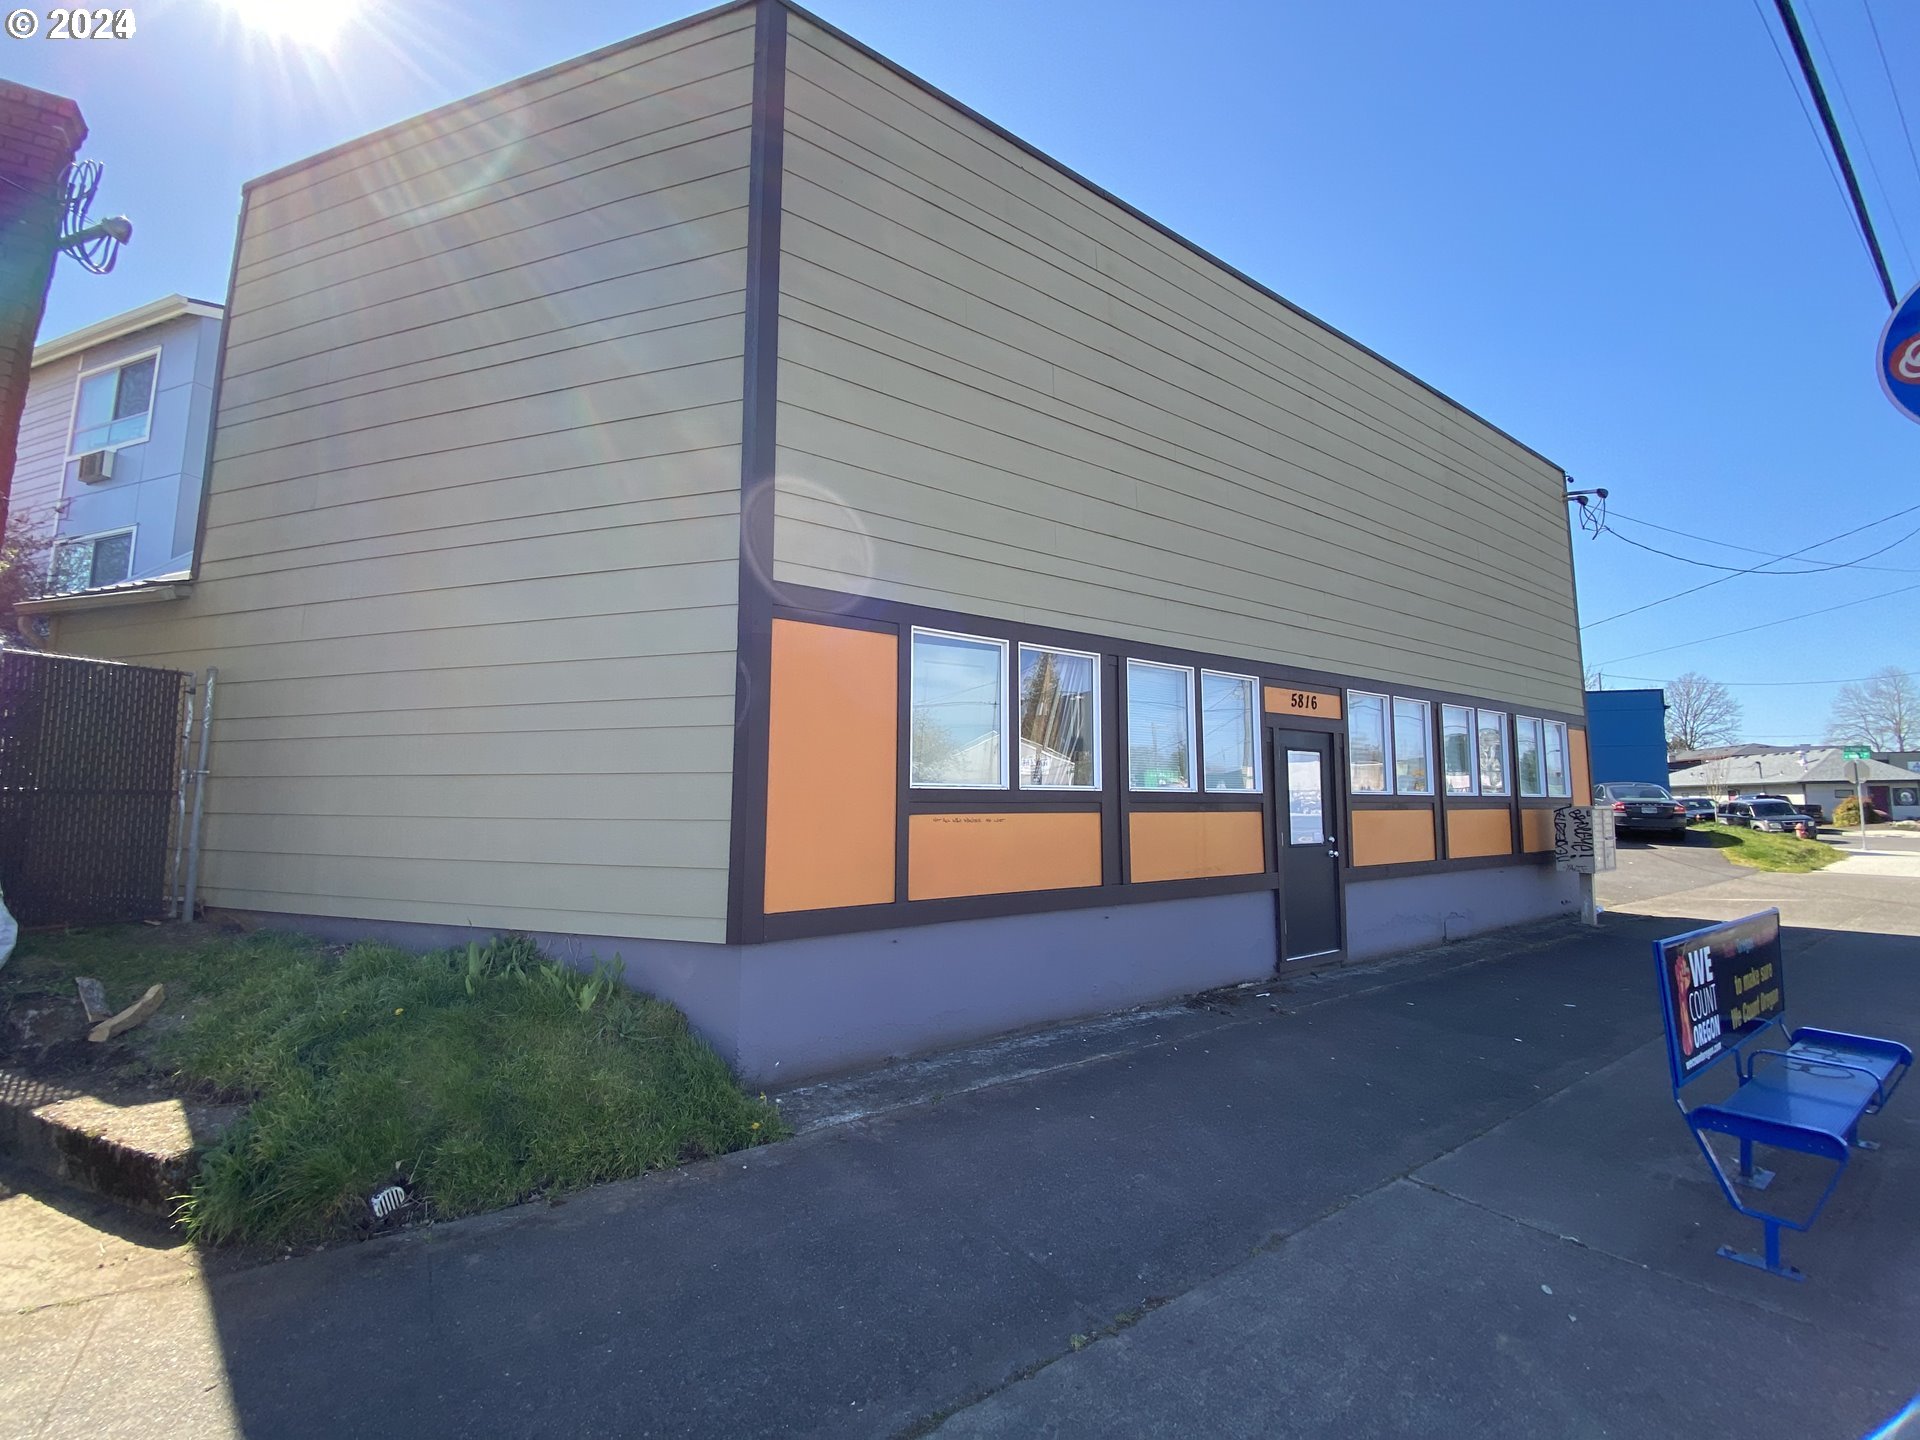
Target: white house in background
[(1815, 775), (113, 444)]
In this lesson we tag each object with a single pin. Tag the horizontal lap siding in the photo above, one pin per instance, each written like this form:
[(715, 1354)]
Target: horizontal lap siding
[(470, 569), (40, 462), (1001, 393)]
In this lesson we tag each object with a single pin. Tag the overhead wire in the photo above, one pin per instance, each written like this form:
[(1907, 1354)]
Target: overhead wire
[(1760, 569), (1747, 549), (1886, 69), (1721, 580), (1764, 625), (1866, 146)]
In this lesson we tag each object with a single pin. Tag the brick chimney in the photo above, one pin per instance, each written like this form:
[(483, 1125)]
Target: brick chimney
[(39, 135)]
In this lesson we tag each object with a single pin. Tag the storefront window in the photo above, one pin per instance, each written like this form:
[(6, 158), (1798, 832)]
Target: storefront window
[(1367, 743), (1457, 749), (1528, 743), (958, 711), (1059, 719), (1558, 782), (1229, 712), (1412, 746), (1493, 752), (1159, 726)]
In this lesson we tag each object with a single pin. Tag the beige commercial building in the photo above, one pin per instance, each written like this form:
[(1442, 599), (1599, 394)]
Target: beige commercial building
[(723, 501)]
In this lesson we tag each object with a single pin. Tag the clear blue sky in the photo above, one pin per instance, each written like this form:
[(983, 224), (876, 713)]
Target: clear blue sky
[(1606, 225)]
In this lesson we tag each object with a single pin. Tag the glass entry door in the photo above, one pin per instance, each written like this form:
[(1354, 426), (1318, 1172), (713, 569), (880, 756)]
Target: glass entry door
[(1308, 813)]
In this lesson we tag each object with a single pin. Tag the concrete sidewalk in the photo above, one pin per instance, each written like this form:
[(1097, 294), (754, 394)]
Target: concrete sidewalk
[(1444, 1197)]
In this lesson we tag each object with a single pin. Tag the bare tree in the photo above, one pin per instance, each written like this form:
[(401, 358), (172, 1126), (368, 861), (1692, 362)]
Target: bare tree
[(1700, 712), (1881, 712)]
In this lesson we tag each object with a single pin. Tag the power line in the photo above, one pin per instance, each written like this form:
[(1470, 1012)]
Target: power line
[(1887, 70), (1764, 625), (1866, 145), (1813, 126), (1709, 584), (1747, 684), (1760, 569), (1747, 549), (1799, 43)]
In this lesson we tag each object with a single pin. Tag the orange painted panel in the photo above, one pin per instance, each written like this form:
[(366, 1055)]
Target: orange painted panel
[(832, 767), (1582, 775), (1308, 704), (1187, 844), (996, 854), (1536, 831), (1392, 837), (1479, 832)]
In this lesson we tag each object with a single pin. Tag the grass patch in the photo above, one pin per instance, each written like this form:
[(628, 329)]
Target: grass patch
[(1763, 850), (479, 1076)]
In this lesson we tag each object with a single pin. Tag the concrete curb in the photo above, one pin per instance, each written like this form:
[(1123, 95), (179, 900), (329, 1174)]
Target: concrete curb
[(141, 1153)]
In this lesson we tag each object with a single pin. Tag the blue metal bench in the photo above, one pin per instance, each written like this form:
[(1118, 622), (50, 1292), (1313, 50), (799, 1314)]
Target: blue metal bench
[(1722, 989)]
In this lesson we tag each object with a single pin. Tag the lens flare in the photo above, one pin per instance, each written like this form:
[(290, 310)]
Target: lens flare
[(316, 24)]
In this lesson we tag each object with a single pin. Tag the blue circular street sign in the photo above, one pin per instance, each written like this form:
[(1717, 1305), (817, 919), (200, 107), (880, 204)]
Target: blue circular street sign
[(1900, 356)]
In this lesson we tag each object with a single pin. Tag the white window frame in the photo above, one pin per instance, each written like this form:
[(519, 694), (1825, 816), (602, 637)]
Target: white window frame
[(153, 399), (61, 542), (1566, 759), (1473, 750), (1013, 709), (1193, 738), (1006, 707), (1252, 683), (1505, 792), (1393, 725), (1540, 750), (1386, 741)]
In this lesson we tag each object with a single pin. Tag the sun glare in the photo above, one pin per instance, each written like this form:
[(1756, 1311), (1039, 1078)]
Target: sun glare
[(315, 23)]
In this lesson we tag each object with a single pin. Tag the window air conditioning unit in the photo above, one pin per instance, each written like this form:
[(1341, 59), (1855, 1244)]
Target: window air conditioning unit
[(96, 465)]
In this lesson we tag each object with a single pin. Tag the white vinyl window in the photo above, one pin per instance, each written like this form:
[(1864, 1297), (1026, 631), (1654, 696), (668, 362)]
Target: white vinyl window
[(958, 720), (1369, 750), (1493, 753), (1230, 731), (1458, 750), (1059, 719), (1412, 747), (1159, 726), (114, 406), (90, 560), (1559, 783), (1529, 742)]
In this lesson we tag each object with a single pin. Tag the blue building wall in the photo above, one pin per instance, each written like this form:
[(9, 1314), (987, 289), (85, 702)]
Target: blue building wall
[(1627, 735)]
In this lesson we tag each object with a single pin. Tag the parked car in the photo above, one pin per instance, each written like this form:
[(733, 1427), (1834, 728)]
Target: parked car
[(1807, 808), (1699, 809), (1775, 815), (1642, 805)]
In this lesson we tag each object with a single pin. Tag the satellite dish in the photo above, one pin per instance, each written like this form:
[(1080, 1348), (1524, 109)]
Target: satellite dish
[(95, 245)]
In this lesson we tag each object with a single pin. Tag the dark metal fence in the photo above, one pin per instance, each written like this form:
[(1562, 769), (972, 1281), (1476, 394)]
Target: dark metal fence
[(89, 784)]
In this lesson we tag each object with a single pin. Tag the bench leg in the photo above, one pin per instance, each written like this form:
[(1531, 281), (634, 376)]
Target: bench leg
[(1770, 1262), (1749, 1177)]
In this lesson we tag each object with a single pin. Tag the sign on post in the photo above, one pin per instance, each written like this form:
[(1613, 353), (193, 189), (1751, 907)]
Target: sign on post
[(1856, 752), (1583, 839), (1900, 356)]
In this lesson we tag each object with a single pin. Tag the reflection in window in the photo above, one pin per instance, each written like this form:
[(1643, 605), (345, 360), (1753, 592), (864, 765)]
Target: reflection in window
[(1412, 747), (1059, 719), (1457, 749), (92, 560), (1367, 743), (1557, 783), (1493, 752), (958, 711), (1159, 726), (1306, 799), (113, 406), (1230, 746), (1528, 744)]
